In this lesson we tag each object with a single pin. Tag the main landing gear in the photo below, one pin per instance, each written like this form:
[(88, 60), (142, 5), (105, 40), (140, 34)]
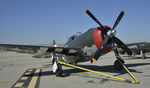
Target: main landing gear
[(57, 68), (118, 63)]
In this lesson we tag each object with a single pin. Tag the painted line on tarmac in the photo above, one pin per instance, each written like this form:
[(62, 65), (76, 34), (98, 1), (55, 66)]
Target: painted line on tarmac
[(5, 83), (34, 79), (30, 79)]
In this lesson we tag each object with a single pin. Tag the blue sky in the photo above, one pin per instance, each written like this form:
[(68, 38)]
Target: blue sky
[(41, 21)]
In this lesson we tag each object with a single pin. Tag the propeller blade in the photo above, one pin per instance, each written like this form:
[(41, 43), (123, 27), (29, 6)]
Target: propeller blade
[(122, 45), (93, 17), (99, 50), (118, 19)]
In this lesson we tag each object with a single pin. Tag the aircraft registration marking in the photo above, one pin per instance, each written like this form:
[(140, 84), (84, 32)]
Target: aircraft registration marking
[(30, 79)]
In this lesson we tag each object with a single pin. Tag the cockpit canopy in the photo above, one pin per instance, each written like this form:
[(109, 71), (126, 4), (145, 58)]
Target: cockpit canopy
[(73, 36)]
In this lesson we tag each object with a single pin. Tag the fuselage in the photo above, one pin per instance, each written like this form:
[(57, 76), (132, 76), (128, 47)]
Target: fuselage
[(89, 41)]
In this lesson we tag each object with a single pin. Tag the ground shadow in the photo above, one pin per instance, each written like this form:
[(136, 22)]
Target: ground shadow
[(108, 68)]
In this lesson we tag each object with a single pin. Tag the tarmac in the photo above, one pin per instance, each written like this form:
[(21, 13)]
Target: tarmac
[(18, 70)]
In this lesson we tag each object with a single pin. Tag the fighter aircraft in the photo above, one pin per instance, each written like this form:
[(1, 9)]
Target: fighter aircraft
[(139, 48), (81, 47)]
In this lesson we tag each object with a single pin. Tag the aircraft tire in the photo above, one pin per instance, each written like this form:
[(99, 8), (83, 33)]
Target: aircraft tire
[(59, 71), (117, 65)]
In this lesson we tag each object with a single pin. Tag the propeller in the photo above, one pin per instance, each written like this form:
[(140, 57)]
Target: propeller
[(122, 45), (118, 19), (93, 17), (99, 50), (110, 37)]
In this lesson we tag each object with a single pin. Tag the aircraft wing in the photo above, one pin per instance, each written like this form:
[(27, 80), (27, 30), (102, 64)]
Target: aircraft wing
[(64, 50), (139, 43), (146, 46), (18, 46), (136, 47), (38, 50)]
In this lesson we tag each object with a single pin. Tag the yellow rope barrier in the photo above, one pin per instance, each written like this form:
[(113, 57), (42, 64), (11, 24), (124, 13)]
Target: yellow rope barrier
[(100, 73), (136, 81)]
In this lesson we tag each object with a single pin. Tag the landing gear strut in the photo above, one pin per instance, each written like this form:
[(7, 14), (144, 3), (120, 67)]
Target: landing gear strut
[(57, 68), (58, 72)]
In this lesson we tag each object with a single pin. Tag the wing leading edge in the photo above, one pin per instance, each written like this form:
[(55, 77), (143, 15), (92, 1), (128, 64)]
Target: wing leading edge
[(34, 49)]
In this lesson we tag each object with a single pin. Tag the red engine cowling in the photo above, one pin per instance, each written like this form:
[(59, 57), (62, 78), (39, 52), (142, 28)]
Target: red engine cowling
[(98, 37)]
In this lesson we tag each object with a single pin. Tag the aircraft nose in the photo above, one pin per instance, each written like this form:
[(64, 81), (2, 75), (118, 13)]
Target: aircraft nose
[(99, 34)]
